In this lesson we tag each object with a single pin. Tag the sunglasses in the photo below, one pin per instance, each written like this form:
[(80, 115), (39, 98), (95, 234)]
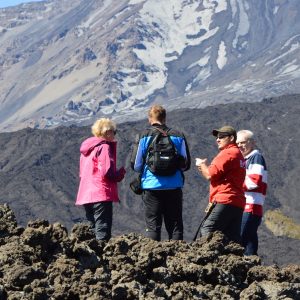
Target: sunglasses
[(114, 131), (222, 136)]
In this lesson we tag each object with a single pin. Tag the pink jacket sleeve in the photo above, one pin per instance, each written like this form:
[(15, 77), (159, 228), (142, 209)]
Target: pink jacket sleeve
[(107, 165)]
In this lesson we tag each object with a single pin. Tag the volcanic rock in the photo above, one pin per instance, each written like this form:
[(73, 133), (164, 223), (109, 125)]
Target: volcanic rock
[(43, 262)]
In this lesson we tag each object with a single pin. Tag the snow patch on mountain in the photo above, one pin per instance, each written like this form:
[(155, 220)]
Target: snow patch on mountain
[(243, 24), (168, 29), (222, 59)]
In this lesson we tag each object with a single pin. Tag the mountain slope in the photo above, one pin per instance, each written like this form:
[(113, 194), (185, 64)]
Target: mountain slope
[(39, 169), (65, 62)]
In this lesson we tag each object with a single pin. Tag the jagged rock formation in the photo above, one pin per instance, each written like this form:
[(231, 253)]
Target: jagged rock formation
[(42, 261)]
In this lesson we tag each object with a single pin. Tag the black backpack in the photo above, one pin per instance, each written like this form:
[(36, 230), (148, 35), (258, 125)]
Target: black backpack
[(162, 157)]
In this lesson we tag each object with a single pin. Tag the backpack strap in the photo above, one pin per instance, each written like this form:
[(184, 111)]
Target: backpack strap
[(164, 133), (149, 144)]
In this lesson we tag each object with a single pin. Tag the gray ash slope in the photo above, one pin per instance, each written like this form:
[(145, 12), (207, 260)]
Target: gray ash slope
[(64, 62), (39, 169)]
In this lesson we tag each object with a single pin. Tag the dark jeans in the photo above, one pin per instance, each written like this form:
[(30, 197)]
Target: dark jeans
[(163, 205), (249, 228), (225, 218), (99, 215)]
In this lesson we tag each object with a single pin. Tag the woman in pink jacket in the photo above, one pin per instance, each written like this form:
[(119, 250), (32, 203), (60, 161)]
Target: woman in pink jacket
[(99, 177)]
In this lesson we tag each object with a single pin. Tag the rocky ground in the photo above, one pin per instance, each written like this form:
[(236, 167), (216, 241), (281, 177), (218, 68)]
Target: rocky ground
[(42, 261)]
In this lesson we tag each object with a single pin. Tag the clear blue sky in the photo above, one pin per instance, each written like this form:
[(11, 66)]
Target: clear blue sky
[(5, 3)]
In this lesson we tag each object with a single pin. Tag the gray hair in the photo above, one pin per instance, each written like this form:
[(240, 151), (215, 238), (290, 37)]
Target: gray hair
[(247, 133)]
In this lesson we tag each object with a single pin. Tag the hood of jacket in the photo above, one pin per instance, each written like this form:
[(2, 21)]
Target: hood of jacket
[(89, 144)]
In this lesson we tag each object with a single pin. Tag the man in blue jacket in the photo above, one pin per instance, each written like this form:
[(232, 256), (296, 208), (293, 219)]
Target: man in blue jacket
[(162, 194)]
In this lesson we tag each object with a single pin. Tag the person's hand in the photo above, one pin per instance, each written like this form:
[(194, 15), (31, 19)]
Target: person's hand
[(122, 171), (120, 174), (203, 168)]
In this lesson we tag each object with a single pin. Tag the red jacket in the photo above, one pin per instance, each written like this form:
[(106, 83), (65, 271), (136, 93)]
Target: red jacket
[(98, 174), (227, 171)]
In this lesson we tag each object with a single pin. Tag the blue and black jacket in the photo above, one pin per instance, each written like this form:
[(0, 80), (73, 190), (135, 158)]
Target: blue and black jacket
[(149, 180)]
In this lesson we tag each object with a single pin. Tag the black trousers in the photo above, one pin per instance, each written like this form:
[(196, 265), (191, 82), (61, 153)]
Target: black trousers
[(163, 205), (225, 218), (100, 215)]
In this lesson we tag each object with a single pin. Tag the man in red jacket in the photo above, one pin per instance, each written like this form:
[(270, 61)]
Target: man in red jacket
[(226, 174)]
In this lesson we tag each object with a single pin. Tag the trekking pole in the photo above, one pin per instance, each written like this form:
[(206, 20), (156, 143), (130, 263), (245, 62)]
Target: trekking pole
[(208, 211)]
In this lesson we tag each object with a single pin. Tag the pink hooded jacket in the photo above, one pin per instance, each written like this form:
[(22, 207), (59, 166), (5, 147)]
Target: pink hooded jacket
[(98, 173)]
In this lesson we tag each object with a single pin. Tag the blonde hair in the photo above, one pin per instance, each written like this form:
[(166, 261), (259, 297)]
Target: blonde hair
[(157, 112), (101, 126)]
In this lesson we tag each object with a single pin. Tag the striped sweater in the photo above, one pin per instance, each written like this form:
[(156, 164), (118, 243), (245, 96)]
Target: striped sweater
[(255, 185)]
